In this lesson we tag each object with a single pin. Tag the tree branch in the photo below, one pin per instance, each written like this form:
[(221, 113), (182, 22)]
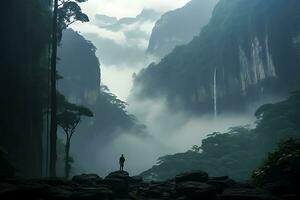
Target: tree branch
[(74, 127), (62, 2), (70, 23)]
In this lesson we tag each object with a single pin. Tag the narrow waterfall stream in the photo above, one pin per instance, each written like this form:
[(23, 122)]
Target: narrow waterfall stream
[(215, 93)]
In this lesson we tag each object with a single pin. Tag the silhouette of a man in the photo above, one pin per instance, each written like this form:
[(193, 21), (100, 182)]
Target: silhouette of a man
[(121, 162)]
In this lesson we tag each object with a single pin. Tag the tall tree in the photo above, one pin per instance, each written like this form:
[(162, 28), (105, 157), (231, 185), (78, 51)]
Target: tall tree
[(69, 116), (53, 126), (65, 13)]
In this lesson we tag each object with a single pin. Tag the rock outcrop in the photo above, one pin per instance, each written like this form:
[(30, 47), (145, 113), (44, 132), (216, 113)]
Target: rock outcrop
[(241, 57), (119, 185)]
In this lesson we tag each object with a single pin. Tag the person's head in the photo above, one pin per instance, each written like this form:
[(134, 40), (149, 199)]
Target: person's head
[(122, 155)]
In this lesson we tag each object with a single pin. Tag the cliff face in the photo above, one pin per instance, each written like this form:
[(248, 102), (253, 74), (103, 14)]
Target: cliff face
[(80, 70), (178, 27), (248, 51)]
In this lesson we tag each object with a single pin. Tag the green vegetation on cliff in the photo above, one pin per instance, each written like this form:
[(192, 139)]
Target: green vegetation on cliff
[(253, 45), (240, 151)]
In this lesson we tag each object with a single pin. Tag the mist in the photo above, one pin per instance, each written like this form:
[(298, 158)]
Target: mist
[(150, 99), (122, 52), (168, 132)]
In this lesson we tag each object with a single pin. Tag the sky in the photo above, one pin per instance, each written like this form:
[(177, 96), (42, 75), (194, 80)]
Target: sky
[(127, 8), (121, 48)]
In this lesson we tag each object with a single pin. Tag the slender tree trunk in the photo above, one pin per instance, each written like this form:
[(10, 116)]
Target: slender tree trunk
[(67, 159), (53, 126)]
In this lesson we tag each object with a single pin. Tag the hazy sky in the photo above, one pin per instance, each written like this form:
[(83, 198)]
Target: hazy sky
[(122, 52), (126, 8)]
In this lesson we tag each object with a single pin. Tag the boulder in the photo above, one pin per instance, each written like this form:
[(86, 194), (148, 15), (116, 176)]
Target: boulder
[(57, 193), (118, 174), (136, 180), (196, 176), (118, 182), (92, 193), (221, 183), (196, 190), (291, 196), (87, 179), (160, 190), (241, 193), (279, 188), (28, 191)]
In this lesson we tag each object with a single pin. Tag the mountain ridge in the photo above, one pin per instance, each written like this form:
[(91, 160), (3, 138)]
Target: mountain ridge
[(253, 56)]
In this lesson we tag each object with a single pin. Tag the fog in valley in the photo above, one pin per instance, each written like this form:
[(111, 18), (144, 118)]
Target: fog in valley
[(150, 99), (122, 52)]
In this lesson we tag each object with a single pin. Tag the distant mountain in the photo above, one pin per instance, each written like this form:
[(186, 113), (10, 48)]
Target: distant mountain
[(104, 20), (126, 40), (113, 24), (249, 51), (80, 69), (178, 27)]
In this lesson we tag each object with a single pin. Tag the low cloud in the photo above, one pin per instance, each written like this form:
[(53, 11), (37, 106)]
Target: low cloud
[(169, 132), (118, 38), (122, 8)]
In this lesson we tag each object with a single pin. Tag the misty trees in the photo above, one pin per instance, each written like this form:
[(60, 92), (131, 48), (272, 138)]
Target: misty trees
[(283, 165), (69, 12), (241, 150), (68, 117), (65, 13)]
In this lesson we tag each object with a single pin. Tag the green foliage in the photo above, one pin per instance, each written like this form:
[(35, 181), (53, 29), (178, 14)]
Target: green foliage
[(66, 106), (185, 76), (240, 151), (69, 114), (233, 154), (196, 148), (82, 85), (113, 99), (281, 165), (69, 12), (279, 121), (68, 117)]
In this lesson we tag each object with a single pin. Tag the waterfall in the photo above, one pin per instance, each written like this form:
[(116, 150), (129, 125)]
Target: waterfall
[(215, 93)]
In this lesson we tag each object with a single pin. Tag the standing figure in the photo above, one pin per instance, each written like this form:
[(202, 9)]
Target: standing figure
[(121, 162)]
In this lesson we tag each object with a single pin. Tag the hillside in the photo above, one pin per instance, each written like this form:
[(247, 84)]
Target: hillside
[(249, 51), (179, 26), (241, 150)]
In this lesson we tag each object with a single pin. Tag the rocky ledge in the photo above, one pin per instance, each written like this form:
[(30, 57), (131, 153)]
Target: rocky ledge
[(119, 185)]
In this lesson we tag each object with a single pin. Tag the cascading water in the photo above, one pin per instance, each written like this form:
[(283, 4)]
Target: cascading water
[(215, 93)]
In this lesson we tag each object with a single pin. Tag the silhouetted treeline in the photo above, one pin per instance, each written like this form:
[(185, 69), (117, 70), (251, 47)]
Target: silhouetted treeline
[(24, 52), (238, 152)]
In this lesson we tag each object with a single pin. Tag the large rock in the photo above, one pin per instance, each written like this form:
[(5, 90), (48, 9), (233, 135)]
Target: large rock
[(196, 190), (119, 182), (198, 176), (118, 174), (136, 180), (58, 193), (281, 188), (157, 190), (87, 179), (93, 193), (25, 190), (246, 194), (221, 183)]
